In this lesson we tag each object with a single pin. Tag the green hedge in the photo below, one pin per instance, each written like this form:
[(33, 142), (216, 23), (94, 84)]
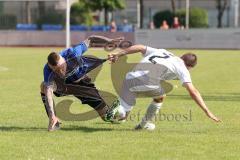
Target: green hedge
[(159, 17), (198, 17)]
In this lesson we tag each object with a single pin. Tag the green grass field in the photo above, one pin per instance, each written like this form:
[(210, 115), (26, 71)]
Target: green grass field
[(23, 123)]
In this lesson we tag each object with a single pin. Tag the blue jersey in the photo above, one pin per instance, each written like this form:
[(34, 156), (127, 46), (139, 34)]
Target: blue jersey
[(77, 65)]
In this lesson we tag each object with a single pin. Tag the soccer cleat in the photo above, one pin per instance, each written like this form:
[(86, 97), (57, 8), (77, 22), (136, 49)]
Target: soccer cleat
[(138, 127), (112, 112), (148, 126)]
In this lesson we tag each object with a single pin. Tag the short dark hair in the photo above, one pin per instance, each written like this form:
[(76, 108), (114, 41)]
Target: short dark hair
[(189, 59), (53, 58)]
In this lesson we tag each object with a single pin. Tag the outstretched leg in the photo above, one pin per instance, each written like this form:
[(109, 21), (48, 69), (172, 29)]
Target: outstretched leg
[(151, 112), (86, 91)]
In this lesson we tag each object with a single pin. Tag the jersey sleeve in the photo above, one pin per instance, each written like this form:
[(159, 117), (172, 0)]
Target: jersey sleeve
[(74, 52), (149, 50), (79, 49), (184, 75)]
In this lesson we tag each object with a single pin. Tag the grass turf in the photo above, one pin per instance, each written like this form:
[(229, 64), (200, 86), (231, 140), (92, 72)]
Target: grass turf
[(23, 123)]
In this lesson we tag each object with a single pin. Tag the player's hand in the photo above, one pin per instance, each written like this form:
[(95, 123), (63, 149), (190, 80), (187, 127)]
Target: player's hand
[(112, 57), (213, 117)]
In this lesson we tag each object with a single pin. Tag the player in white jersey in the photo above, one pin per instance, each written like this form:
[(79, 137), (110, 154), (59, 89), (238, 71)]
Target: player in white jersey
[(156, 66)]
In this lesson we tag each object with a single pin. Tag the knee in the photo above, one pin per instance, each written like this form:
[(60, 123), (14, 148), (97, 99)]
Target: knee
[(158, 99), (42, 87)]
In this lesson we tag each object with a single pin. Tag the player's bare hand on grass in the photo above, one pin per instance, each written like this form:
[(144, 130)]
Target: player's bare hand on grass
[(53, 124), (213, 117)]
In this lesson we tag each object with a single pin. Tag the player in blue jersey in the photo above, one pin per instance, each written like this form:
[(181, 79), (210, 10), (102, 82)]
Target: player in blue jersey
[(65, 74)]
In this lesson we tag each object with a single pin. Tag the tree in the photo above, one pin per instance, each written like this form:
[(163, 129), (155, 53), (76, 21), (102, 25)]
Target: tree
[(1, 8), (173, 3), (221, 6), (41, 8), (28, 12), (81, 13), (106, 5), (141, 13)]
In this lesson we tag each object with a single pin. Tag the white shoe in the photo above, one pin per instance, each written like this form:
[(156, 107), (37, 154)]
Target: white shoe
[(148, 126)]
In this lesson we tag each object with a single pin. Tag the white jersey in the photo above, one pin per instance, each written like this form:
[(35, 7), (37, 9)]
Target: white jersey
[(163, 64)]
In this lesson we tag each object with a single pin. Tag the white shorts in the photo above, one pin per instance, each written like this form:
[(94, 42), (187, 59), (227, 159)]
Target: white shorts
[(138, 87)]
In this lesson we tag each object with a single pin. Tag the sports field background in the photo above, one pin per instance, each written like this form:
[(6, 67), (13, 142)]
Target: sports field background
[(23, 122)]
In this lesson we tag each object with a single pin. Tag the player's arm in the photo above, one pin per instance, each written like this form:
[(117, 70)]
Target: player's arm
[(96, 39), (196, 96), (113, 57), (49, 100), (81, 48)]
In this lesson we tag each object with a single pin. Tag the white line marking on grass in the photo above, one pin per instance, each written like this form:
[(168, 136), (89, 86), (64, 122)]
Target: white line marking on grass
[(3, 68)]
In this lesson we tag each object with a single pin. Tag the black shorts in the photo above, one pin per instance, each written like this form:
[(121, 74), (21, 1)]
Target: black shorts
[(85, 91)]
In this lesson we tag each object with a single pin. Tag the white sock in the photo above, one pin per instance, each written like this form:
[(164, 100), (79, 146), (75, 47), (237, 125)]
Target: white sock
[(152, 110), (123, 108), (121, 111)]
